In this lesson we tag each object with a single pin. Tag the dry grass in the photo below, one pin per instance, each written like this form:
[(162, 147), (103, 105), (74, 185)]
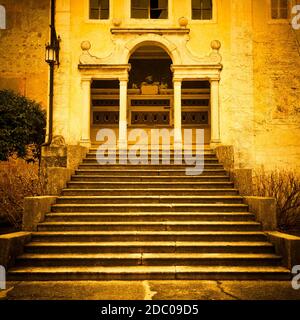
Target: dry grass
[(284, 186), (18, 179)]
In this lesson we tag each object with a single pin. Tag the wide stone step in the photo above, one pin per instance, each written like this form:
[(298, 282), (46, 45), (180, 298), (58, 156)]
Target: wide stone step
[(121, 236), (151, 226), (148, 199), (112, 185), (160, 157), (149, 247), (138, 173), (160, 150), (149, 259), (218, 177), (148, 169), (149, 221), (150, 216), (155, 159), (149, 273), (154, 163), (153, 192), (158, 207)]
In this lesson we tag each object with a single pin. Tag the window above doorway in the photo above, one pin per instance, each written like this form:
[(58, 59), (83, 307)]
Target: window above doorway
[(202, 9), (99, 9), (149, 9)]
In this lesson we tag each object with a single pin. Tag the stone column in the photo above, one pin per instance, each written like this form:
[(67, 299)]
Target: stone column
[(86, 112), (123, 115), (177, 113), (215, 113)]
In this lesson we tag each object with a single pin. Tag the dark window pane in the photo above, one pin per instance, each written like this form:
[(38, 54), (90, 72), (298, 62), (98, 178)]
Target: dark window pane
[(274, 14), (283, 3), (94, 4), (196, 14), (158, 9), (99, 9), (279, 9), (140, 3), (158, 14), (274, 3), (206, 15), (104, 4), (207, 4), (153, 9), (139, 9), (196, 4), (202, 9), (283, 13), (104, 14), (139, 13), (94, 14)]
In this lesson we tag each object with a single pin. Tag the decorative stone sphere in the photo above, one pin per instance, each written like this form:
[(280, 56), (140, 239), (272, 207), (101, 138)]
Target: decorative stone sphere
[(183, 22), (116, 22), (215, 44), (85, 45)]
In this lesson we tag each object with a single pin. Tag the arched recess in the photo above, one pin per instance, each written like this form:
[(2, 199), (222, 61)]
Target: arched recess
[(149, 60), (185, 67), (151, 40), (150, 86)]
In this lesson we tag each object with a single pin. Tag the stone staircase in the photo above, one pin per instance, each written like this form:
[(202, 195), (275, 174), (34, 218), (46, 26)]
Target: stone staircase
[(132, 222)]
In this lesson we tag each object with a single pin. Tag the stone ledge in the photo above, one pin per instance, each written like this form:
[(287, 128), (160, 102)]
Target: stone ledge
[(288, 246), (11, 246), (159, 31), (35, 209), (265, 211)]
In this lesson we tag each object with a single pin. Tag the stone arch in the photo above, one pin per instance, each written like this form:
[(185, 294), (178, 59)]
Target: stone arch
[(2, 18), (155, 40)]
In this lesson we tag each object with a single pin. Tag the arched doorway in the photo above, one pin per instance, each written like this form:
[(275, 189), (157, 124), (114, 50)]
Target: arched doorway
[(150, 89), (150, 96), (196, 83), (153, 105)]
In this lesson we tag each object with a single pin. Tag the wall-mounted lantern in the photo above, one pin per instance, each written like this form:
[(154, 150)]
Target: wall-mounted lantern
[(52, 51)]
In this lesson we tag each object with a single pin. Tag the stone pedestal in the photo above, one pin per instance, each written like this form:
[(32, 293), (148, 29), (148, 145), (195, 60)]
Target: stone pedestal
[(58, 163)]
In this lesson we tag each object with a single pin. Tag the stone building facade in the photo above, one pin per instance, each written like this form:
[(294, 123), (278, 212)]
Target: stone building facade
[(231, 67), (22, 43)]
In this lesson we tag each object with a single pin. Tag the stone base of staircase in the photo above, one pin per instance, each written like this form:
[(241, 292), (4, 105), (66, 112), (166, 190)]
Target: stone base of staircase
[(137, 222)]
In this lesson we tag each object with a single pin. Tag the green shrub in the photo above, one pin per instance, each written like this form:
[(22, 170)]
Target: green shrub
[(22, 123)]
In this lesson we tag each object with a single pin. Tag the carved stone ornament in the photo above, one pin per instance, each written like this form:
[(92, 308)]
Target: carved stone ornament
[(175, 44), (58, 141)]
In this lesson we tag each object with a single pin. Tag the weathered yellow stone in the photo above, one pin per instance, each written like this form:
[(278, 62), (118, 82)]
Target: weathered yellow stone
[(259, 84), (22, 64)]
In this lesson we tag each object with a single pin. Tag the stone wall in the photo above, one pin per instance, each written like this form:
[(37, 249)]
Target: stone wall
[(276, 58), (22, 57), (260, 81)]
